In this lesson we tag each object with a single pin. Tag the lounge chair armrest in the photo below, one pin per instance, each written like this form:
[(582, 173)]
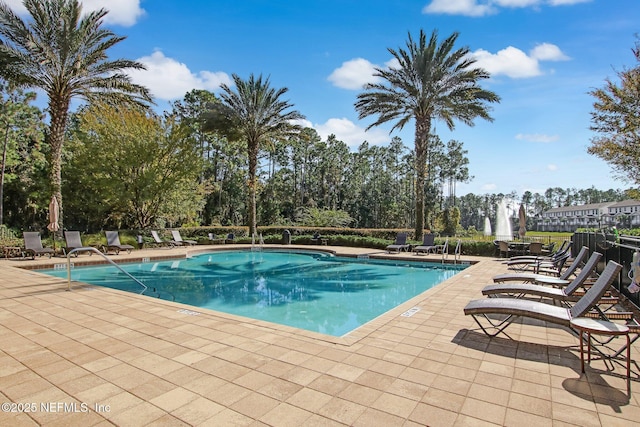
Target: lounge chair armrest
[(613, 315)]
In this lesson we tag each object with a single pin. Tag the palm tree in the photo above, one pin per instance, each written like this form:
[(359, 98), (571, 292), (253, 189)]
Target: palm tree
[(64, 54), (429, 82), (258, 115)]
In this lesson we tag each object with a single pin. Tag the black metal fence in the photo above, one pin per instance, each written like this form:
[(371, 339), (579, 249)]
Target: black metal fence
[(619, 249)]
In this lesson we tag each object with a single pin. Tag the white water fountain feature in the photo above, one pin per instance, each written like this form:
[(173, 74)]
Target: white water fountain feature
[(487, 226), (503, 222)]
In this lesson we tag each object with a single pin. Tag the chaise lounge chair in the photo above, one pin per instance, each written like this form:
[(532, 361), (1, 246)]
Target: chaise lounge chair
[(33, 245), (428, 244), (564, 248), (561, 280), (178, 238), (400, 244), (558, 315), (215, 239), (553, 266), (158, 241), (113, 243), (568, 293), (73, 241)]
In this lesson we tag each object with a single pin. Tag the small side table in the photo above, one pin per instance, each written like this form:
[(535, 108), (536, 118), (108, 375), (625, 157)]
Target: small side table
[(600, 327), (11, 251)]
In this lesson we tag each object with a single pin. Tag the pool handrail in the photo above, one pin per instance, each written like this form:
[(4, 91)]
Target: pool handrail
[(109, 260)]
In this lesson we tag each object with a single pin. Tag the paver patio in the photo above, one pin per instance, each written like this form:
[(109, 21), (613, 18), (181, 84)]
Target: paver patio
[(97, 356)]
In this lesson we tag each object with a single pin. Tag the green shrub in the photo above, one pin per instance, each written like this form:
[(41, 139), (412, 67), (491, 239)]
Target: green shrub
[(377, 239), (9, 237)]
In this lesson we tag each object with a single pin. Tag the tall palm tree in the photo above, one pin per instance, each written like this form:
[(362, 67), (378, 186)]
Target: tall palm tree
[(258, 115), (430, 82), (64, 53)]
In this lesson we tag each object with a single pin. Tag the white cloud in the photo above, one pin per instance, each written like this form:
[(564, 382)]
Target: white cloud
[(17, 6), (510, 61), (489, 187), (353, 74), (304, 123), (459, 7), (548, 52), (356, 73), (516, 64), (392, 63), (516, 3), (566, 2), (169, 79), (488, 7), (351, 134), (121, 12), (537, 137)]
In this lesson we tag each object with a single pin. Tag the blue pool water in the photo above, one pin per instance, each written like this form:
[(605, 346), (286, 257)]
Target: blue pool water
[(309, 290)]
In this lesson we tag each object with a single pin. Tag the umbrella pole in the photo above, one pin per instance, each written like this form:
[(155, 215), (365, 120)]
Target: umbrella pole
[(54, 213)]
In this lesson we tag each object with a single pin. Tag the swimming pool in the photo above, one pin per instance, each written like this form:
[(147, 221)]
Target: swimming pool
[(304, 289)]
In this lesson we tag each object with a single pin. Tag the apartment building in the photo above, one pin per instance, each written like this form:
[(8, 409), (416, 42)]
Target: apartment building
[(625, 214)]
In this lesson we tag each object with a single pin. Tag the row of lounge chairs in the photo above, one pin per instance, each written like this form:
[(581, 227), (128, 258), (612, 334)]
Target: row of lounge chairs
[(427, 246), (177, 239), (555, 278), (33, 243), (554, 299), (551, 264)]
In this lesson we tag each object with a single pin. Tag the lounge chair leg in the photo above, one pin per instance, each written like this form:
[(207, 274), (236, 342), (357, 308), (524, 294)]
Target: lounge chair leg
[(605, 342), (498, 327)]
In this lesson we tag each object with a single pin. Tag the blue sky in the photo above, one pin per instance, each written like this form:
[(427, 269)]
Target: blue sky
[(544, 57)]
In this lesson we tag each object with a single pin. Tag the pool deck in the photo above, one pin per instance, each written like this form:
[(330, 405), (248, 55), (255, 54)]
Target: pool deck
[(100, 357)]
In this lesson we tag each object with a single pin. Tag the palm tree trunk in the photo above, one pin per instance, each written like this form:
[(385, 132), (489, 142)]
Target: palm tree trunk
[(252, 149), (58, 109), (4, 163), (422, 141)]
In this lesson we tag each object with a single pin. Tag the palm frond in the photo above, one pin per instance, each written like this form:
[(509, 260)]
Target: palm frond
[(432, 80), (64, 52)]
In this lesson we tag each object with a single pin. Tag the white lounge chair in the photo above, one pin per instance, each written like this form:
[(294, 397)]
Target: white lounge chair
[(158, 241), (178, 238)]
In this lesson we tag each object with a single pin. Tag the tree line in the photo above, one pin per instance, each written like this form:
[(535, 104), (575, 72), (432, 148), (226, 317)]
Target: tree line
[(129, 168), (239, 158)]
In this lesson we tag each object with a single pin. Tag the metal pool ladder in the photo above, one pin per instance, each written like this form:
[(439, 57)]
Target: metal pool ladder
[(110, 261)]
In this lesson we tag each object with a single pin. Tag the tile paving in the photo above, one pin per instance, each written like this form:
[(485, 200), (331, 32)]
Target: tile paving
[(99, 357)]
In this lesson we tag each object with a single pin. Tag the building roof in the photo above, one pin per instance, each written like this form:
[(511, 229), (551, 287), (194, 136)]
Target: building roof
[(580, 207), (625, 203)]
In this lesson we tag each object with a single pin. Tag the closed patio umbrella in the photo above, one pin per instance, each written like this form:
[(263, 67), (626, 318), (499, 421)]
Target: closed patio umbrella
[(522, 221), (54, 213)]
